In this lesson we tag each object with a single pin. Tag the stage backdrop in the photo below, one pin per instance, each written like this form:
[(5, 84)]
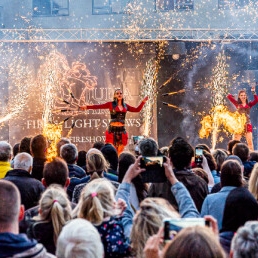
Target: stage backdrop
[(37, 79)]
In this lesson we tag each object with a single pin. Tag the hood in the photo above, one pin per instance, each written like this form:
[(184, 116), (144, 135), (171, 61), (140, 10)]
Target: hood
[(12, 244)]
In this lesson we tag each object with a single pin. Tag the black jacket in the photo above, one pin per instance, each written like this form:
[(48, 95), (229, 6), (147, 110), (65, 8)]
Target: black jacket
[(196, 186), (30, 188), (37, 168)]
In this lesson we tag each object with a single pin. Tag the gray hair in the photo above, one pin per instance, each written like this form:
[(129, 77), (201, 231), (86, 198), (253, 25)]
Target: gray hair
[(69, 153), (6, 151), (245, 241), (79, 238), (23, 161), (148, 147)]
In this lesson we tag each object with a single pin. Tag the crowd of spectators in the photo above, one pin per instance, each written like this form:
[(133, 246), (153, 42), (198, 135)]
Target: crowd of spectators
[(94, 203)]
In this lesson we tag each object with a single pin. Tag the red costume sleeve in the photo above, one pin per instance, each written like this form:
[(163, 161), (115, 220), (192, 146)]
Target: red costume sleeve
[(107, 105), (232, 100), (255, 101), (135, 109)]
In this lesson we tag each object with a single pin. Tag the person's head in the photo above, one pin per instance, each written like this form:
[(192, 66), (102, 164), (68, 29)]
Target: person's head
[(11, 210), (219, 156), (148, 147), (231, 174), (240, 206), (124, 161), (23, 161), (110, 154), (253, 182), (16, 148), (118, 95), (38, 146), (69, 153), (25, 145), (253, 156), (231, 144), (60, 143), (96, 162), (198, 241), (164, 150), (6, 151), (56, 172), (54, 206), (81, 161), (79, 238), (245, 241), (201, 173), (242, 151), (97, 201), (242, 97), (210, 160), (180, 153), (98, 145), (148, 220), (204, 147)]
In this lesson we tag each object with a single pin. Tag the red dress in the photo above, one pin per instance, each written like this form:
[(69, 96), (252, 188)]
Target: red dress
[(244, 110)]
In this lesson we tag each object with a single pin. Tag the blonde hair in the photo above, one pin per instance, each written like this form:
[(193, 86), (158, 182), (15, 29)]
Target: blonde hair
[(148, 221), (253, 182), (79, 238), (95, 161), (55, 207), (97, 201)]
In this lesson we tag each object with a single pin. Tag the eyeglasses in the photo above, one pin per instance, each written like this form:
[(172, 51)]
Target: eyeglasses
[(119, 93)]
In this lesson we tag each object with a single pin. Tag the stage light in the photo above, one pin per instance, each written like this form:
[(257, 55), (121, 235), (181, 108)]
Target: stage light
[(175, 49), (175, 56)]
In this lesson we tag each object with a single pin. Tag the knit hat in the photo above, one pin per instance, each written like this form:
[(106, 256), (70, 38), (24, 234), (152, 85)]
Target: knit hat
[(240, 207)]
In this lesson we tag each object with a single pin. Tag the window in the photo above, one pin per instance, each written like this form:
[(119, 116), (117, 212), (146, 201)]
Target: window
[(109, 6), (235, 4), (50, 7), (167, 5)]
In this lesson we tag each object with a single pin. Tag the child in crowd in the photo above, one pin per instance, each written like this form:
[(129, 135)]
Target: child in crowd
[(54, 212), (98, 205)]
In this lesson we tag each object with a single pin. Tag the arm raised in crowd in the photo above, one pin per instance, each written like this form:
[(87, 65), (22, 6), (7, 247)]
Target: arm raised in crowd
[(187, 208)]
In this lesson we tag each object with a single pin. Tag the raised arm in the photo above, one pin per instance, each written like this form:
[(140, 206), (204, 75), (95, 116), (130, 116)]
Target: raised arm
[(139, 108), (123, 193), (255, 101), (107, 105), (232, 100), (186, 206)]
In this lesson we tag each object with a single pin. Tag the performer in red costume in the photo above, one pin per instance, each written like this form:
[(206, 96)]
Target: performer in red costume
[(116, 133), (243, 107)]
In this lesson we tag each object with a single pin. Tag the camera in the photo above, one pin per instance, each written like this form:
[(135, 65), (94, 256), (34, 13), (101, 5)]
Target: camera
[(155, 172), (136, 139), (198, 155), (173, 226)]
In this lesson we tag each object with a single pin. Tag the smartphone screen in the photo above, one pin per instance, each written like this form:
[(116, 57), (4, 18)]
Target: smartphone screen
[(198, 155), (136, 139), (154, 170), (173, 226)]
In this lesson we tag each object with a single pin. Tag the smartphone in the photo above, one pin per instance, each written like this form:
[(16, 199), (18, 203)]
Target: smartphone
[(155, 172), (198, 155), (173, 226), (136, 139)]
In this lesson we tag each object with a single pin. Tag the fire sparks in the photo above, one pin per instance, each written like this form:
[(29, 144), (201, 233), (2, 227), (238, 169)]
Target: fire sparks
[(53, 133), (149, 89), (233, 123)]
